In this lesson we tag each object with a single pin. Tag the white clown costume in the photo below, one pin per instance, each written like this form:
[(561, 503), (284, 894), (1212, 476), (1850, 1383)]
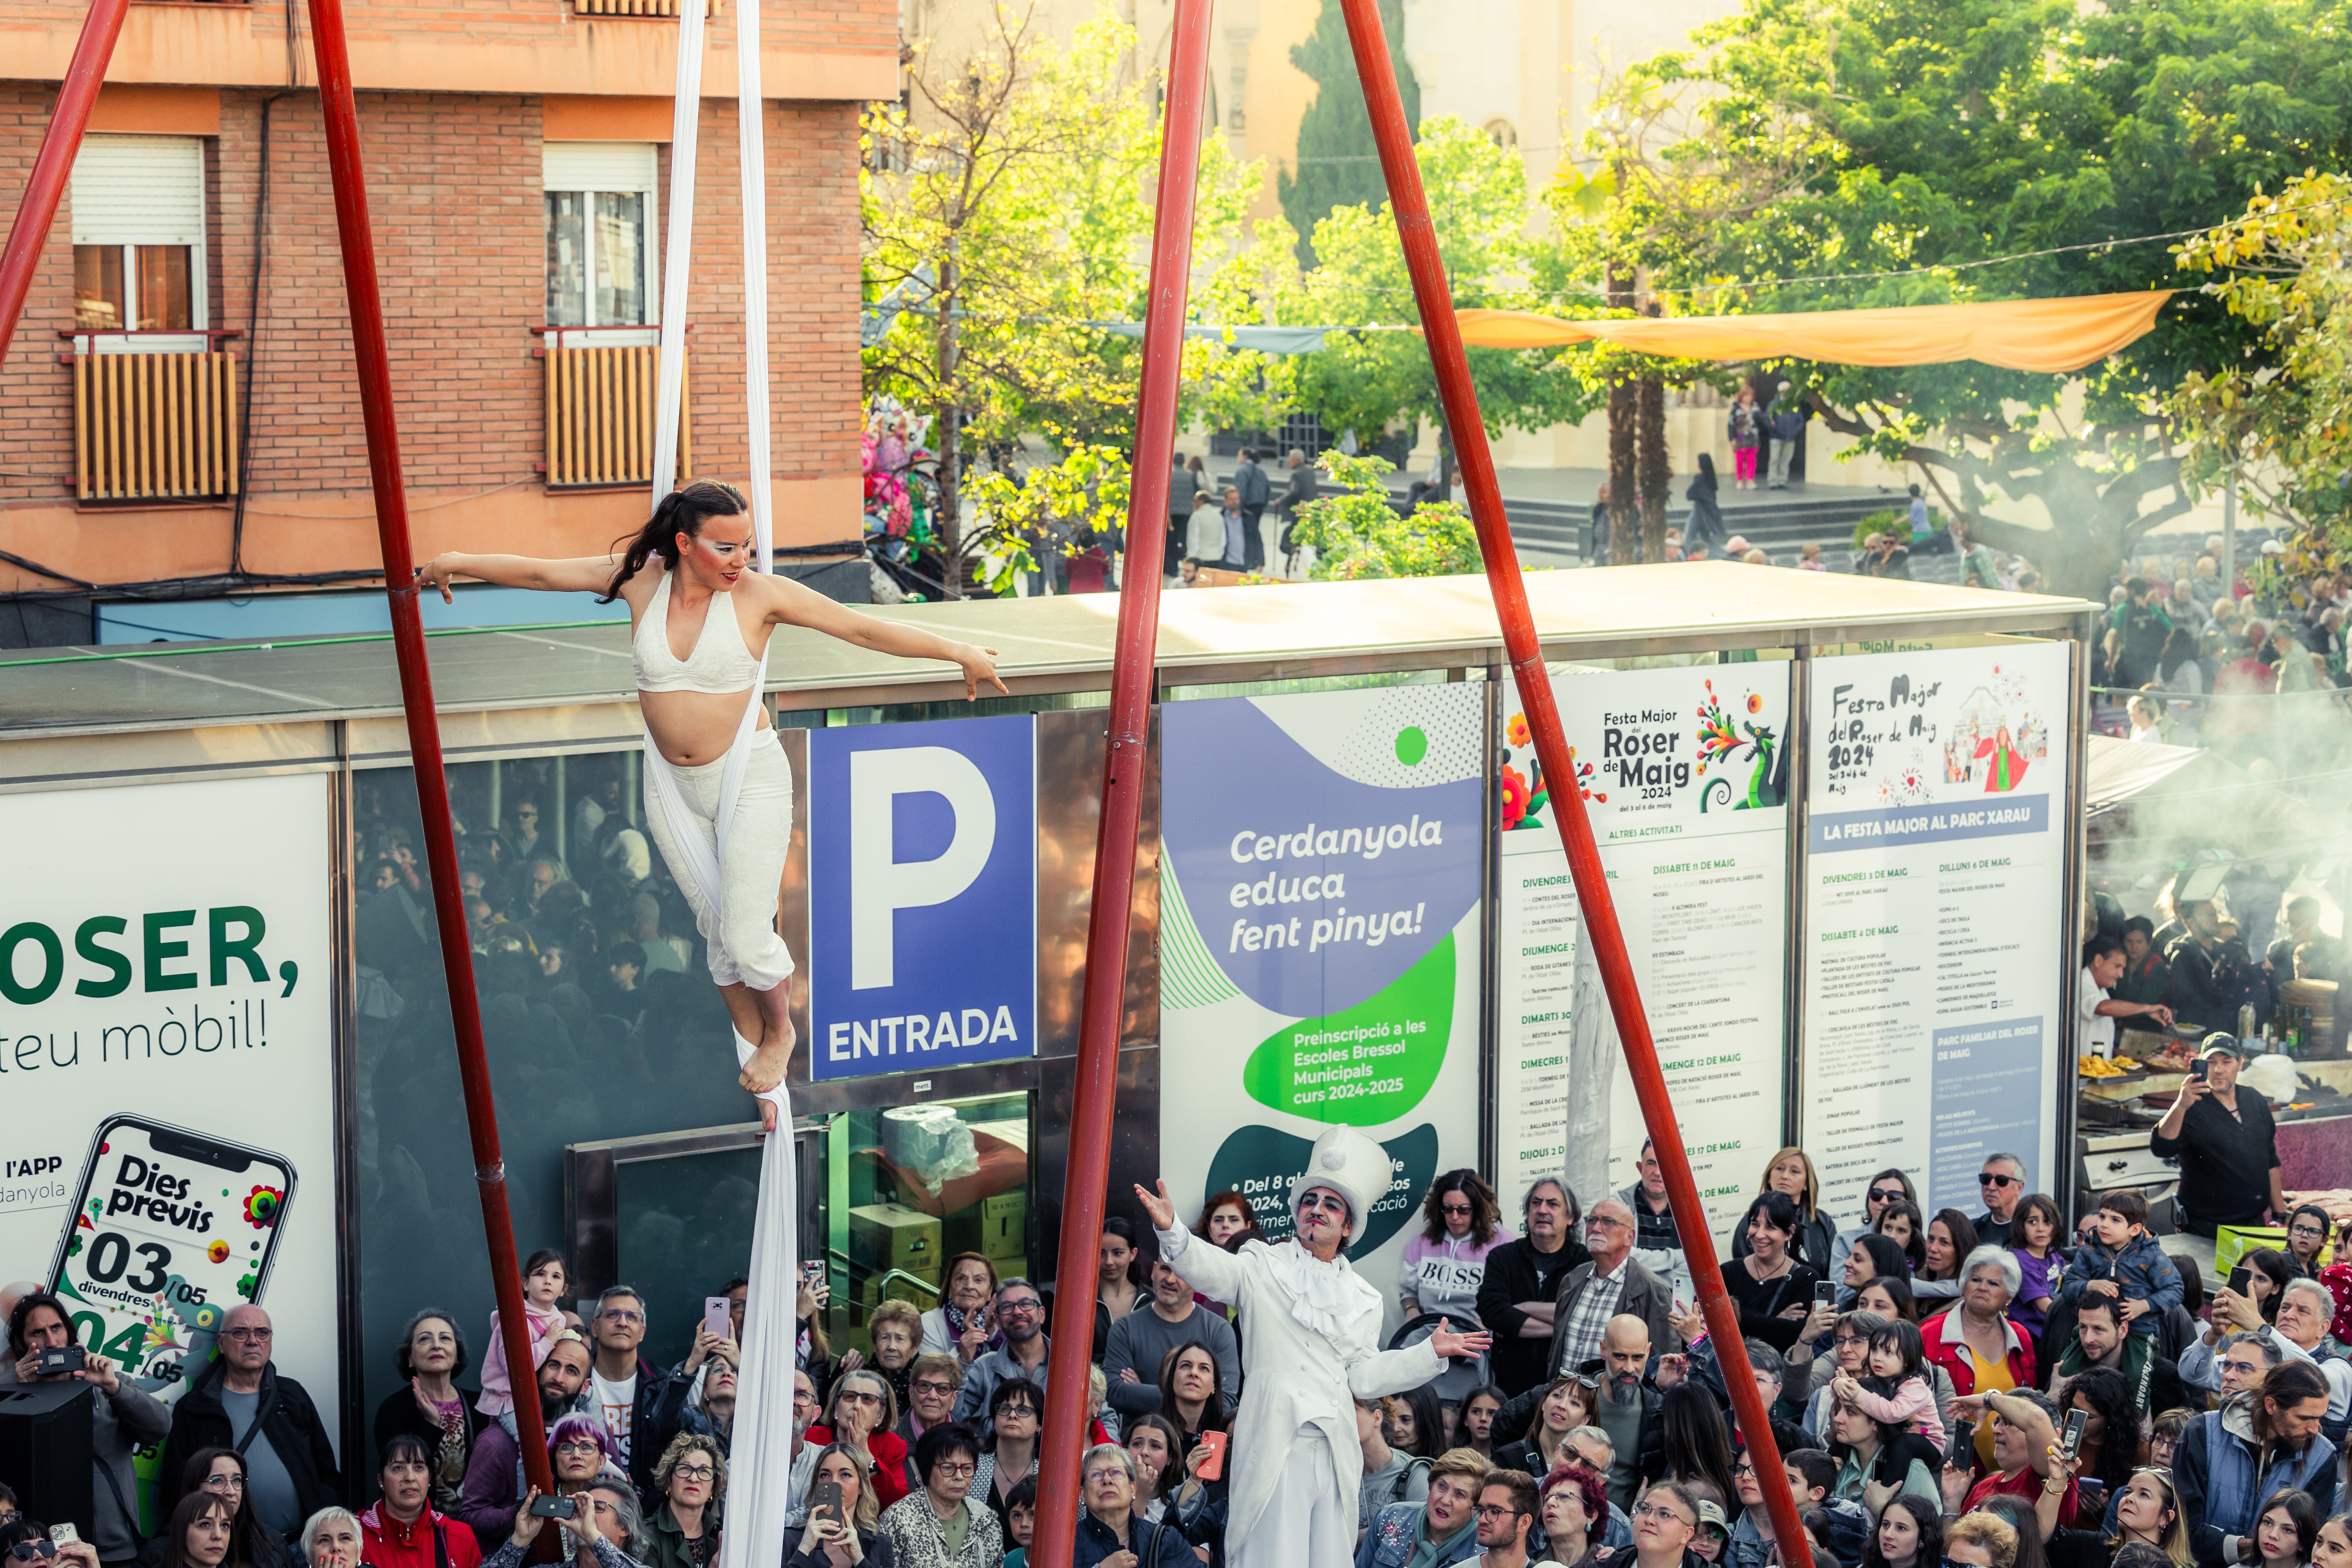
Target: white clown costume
[(1310, 1341)]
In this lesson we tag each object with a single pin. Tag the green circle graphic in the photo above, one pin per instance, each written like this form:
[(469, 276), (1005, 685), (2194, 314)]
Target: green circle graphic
[(1411, 744)]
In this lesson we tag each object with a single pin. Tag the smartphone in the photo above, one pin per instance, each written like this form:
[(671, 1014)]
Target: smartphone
[(719, 1316), (553, 1507), (2198, 1070), (63, 1533), (170, 1228), (1824, 1293), (2240, 1277), (1956, 1451), (1215, 1465), (825, 1498), (2070, 1439), (64, 1359)]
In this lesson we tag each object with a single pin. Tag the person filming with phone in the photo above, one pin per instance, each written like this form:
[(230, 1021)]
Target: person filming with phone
[(41, 1349), (2226, 1142)]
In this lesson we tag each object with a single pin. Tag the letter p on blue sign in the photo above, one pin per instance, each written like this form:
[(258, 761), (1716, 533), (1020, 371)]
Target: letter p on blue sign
[(922, 894)]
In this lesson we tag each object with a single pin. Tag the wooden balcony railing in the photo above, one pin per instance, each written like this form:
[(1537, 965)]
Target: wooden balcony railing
[(636, 7), (154, 426), (600, 416)]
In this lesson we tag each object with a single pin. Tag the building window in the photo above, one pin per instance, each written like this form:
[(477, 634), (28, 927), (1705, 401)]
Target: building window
[(139, 236), (601, 267), (1500, 133)]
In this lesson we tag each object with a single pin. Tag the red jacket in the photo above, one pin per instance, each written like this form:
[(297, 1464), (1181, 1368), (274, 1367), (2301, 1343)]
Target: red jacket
[(1949, 1349), (388, 1543), (890, 1451)]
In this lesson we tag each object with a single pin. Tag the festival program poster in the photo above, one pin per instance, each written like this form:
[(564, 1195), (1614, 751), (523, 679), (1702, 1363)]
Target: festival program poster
[(167, 1062), (1934, 886), (1320, 901), (1685, 775)]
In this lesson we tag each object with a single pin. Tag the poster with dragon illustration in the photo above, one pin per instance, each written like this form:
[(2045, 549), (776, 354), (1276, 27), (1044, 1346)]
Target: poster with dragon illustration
[(1686, 773), (1935, 930)]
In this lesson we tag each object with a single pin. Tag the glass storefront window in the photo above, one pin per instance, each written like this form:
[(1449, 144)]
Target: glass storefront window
[(909, 1187), (600, 1023)]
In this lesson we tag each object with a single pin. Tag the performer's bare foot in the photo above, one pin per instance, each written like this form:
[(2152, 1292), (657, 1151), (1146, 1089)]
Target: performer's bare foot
[(766, 1067)]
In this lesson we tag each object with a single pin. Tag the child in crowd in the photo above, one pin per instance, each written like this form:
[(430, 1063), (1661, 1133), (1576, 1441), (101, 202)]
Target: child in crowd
[(2121, 1259), (1020, 1521), (1810, 559), (1897, 1391), (2035, 1232), (544, 1281)]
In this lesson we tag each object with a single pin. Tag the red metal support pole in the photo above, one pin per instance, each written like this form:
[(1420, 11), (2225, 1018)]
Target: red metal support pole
[(368, 346), (1132, 667), (46, 186), (1460, 398)]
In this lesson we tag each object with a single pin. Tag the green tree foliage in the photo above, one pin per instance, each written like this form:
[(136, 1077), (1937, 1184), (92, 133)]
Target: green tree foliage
[(1357, 533), (2285, 269), (1840, 137), (1337, 163), (1479, 209), (1008, 211)]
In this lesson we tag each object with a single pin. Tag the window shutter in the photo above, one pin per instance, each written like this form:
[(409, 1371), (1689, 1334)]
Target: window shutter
[(139, 190), (597, 166)]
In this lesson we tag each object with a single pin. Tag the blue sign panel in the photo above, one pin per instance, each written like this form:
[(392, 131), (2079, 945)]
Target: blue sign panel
[(922, 896)]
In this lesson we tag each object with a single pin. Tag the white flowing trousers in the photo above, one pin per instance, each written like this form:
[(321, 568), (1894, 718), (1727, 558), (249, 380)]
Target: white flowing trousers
[(1308, 1525), (740, 929)]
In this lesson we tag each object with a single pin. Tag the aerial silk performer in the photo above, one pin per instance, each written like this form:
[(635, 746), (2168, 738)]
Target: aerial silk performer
[(719, 793)]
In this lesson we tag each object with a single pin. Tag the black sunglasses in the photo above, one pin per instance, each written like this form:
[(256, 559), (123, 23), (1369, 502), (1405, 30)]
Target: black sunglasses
[(1888, 1195), (1989, 1180)]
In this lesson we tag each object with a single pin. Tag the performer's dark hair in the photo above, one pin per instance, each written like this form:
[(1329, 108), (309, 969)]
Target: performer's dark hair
[(683, 511)]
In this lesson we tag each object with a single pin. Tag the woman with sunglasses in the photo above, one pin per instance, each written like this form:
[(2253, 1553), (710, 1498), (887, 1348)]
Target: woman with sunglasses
[(221, 1471), (1446, 1262), (1567, 1404), (1008, 1452), (1889, 1186), (2147, 1510), (863, 1416)]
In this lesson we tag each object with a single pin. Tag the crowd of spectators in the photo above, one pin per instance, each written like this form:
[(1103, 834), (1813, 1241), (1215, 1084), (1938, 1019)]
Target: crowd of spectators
[(1919, 1379)]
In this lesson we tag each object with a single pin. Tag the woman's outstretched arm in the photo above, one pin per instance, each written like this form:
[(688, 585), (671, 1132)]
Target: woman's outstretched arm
[(802, 605), (582, 575)]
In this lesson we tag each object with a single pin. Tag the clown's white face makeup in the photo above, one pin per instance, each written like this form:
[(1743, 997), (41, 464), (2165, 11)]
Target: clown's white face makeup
[(1322, 1220)]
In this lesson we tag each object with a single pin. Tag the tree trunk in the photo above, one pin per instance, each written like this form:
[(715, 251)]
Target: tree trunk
[(1655, 474), (1624, 514)]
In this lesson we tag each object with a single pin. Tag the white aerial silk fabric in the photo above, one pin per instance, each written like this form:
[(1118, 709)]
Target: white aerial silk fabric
[(760, 1457)]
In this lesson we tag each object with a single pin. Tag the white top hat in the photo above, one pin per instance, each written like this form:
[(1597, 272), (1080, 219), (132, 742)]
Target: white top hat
[(1349, 1164)]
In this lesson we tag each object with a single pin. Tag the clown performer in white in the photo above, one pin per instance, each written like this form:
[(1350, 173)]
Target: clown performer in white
[(712, 765), (1310, 1341)]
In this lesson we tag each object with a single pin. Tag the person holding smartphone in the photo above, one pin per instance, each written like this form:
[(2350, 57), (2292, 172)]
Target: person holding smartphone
[(2226, 1142), (842, 1513), (41, 1349)]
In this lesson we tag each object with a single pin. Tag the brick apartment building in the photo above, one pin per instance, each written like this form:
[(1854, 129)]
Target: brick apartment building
[(185, 344)]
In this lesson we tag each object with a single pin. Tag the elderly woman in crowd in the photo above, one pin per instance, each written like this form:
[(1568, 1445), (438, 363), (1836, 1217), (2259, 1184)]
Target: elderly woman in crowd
[(896, 1329), (331, 1538), (962, 1323), (863, 1416), (938, 1526), (606, 1531), (1976, 1341), (431, 1407), (1575, 1514)]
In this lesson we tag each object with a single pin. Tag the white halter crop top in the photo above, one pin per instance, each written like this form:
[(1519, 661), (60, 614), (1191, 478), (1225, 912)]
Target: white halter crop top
[(719, 664)]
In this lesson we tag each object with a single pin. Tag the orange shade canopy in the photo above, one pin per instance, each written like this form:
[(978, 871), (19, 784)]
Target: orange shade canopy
[(2049, 335)]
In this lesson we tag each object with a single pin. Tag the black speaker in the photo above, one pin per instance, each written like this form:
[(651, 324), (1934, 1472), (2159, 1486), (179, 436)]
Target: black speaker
[(45, 1450)]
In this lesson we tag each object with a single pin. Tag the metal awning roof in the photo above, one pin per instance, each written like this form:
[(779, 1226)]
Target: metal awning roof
[(1058, 644)]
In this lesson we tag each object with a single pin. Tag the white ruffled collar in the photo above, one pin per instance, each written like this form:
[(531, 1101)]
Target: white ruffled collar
[(1324, 1297)]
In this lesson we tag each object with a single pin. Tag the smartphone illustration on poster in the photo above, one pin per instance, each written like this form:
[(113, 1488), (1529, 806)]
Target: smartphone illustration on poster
[(170, 1229)]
